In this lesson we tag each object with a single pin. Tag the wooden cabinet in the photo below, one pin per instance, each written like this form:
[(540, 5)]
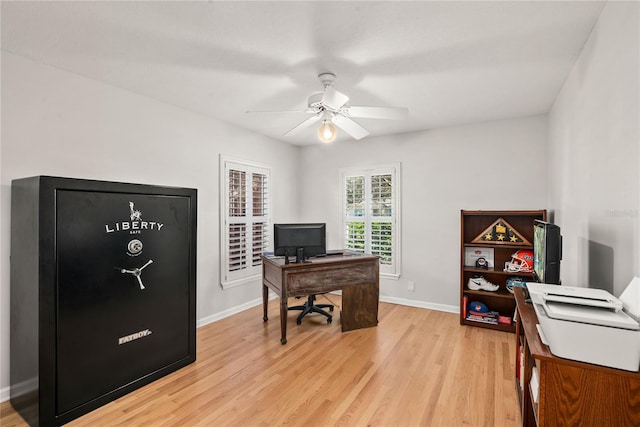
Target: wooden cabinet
[(518, 235), (560, 392)]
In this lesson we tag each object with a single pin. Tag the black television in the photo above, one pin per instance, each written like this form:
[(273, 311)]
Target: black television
[(547, 252), (300, 240)]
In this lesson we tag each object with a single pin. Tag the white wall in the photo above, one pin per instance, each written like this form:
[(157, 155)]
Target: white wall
[(495, 165), (594, 155), (60, 124)]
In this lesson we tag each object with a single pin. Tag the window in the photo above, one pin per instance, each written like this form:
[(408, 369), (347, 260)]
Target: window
[(244, 189), (372, 214)]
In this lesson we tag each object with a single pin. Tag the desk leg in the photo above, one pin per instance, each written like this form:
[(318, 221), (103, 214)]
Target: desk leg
[(265, 301), (283, 319)]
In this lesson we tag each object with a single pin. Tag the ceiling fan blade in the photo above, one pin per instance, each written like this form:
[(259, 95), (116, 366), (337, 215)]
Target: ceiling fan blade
[(311, 120), (350, 127), (391, 113), (275, 111), (334, 99)]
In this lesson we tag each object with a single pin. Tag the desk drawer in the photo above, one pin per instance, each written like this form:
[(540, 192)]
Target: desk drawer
[(322, 279)]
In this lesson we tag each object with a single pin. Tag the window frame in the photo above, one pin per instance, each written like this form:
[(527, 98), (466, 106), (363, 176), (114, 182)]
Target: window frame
[(251, 271), (393, 270)]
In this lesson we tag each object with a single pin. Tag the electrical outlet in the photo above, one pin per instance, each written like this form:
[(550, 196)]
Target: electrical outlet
[(411, 285)]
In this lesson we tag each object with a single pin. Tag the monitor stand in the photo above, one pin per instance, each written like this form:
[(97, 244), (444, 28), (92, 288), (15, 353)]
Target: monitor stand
[(300, 257)]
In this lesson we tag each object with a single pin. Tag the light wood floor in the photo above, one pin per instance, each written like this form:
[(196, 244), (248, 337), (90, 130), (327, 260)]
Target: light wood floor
[(416, 368)]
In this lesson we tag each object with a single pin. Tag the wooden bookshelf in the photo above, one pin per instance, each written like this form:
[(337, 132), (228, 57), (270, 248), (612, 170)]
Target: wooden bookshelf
[(472, 224)]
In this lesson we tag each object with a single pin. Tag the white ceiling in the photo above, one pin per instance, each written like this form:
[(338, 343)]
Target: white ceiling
[(449, 62)]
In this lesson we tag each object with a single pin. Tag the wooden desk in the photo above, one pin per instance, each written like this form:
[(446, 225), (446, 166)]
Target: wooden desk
[(357, 275), (570, 393)]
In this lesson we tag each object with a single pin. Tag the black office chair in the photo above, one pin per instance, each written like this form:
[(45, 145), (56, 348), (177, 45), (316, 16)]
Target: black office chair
[(310, 307)]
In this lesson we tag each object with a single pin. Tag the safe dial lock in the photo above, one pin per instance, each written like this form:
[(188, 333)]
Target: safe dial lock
[(134, 247)]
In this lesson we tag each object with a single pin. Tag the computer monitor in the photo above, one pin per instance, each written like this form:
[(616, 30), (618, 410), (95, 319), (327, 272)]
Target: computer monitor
[(309, 237), (547, 252)]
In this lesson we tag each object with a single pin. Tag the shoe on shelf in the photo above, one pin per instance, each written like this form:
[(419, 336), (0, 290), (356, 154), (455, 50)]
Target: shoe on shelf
[(477, 283)]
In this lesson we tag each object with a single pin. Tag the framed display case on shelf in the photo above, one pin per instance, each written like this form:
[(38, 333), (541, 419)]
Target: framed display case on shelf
[(488, 241)]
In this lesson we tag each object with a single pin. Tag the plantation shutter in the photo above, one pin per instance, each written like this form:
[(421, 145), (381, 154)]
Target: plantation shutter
[(355, 209), (260, 226), (382, 220), (371, 214), (245, 217)]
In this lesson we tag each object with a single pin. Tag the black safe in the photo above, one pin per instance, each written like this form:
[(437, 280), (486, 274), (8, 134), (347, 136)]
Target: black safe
[(103, 292)]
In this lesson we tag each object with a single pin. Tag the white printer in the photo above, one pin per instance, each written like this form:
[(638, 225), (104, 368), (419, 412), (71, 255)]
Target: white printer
[(590, 325)]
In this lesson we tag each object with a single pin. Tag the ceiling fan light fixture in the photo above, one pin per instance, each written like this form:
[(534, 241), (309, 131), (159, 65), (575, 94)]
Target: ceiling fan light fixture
[(327, 131), (330, 108)]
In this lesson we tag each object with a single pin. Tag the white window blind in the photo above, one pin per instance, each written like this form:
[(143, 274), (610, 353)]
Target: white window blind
[(371, 214), (245, 220)]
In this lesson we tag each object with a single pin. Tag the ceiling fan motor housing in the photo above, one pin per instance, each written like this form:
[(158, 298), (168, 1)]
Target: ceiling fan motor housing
[(327, 79)]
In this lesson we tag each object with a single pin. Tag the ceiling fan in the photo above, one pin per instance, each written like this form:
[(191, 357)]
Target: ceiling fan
[(330, 107)]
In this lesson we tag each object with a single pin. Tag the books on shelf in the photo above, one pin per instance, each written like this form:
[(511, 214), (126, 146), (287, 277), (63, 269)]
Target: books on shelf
[(505, 320), (490, 317)]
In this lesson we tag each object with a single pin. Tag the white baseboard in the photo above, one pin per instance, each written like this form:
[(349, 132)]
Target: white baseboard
[(5, 394), (231, 311), (20, 389), (422, 304)]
